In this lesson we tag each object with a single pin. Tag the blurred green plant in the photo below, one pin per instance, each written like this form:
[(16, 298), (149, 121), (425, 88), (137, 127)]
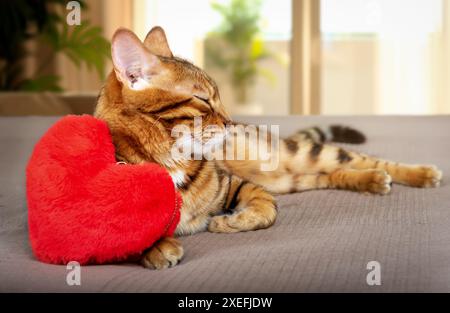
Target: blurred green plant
[(45, 21), (236, 45)]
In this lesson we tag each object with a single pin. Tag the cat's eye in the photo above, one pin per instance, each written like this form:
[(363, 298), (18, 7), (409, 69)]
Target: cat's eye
[(203, 98)]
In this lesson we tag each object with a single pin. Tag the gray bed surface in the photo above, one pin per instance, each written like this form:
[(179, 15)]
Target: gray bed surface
[(322, 240)]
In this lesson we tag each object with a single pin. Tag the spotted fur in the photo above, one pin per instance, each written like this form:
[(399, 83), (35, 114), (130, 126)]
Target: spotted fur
[(150, 91)]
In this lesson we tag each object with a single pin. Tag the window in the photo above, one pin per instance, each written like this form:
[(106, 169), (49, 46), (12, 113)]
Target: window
[(384, 57), (187, 24)]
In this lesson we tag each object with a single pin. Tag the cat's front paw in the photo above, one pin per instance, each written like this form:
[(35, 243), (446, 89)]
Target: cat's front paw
[(165, 253), (379, 182)]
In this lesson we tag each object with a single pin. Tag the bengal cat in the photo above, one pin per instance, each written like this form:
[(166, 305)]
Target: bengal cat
[(150, 92)]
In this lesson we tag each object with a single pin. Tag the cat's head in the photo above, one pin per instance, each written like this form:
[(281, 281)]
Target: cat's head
[(149, 82), (155, 81)]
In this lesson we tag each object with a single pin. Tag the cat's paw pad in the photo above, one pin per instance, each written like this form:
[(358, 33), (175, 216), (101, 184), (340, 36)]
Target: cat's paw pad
[(164, 254), (380, 182)]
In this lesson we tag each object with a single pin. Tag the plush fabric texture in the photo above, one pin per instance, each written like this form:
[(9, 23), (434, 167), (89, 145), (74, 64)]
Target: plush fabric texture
[(85, 207)]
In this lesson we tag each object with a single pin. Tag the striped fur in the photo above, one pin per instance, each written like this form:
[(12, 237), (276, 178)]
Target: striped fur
[(335, 133), (150, 92)]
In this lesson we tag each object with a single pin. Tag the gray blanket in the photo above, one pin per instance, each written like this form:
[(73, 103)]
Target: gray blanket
[(322, 240)]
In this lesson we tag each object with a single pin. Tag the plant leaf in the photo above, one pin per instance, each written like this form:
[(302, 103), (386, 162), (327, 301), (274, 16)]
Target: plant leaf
[(42, 83)]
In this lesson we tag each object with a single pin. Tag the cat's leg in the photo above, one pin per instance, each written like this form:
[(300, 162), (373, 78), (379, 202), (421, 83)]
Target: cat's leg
[(369, 180), (309, 157), (327, 158), (252, 208), (166, 252), (423, 176)]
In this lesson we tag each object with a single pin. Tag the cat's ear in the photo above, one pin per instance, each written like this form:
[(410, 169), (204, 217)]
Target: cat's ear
[(156, 42), (133, 63)]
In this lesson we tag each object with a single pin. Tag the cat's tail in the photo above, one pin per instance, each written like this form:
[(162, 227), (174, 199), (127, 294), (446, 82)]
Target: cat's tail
[(334, 133)]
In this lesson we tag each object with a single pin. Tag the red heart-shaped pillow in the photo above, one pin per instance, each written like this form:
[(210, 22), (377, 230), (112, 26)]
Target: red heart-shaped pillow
[(83, 206)]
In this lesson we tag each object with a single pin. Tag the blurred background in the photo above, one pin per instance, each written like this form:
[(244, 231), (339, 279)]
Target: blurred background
[(269, 57)]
